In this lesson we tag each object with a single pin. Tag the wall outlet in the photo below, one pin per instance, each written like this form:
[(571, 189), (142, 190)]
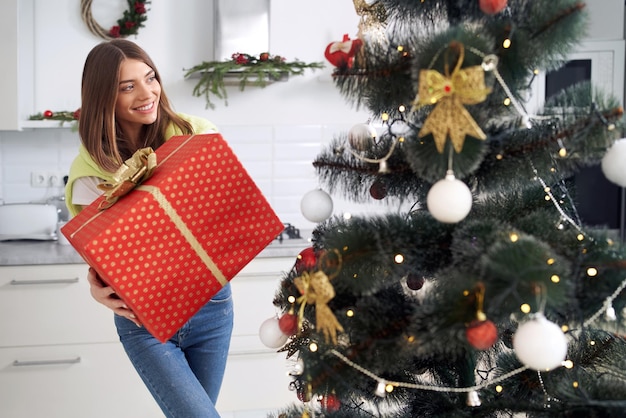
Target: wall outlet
[(44, 179)]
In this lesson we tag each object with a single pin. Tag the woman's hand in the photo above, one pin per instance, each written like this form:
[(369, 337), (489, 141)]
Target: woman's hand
[(106, 296)]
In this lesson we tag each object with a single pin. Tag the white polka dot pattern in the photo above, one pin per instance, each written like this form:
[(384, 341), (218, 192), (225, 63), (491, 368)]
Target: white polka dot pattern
[(172, 243)]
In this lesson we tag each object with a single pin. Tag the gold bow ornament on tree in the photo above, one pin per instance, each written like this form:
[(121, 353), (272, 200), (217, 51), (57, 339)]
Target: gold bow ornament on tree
[(131, 173), (316, 288), (449, 93)]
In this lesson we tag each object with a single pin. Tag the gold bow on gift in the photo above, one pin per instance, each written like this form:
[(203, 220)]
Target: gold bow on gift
[(134, 170), (450, 92), (316, 288)]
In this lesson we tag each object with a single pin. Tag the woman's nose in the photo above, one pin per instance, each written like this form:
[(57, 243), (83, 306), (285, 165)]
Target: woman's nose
[(145, 90)]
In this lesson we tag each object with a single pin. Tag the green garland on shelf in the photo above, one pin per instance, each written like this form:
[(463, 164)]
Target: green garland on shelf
[(62, 116), (249, 69)]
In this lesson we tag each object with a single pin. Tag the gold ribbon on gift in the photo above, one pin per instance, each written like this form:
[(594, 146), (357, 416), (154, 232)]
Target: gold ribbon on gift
[(316, 289), (180, 224), (449, 92), (132, 172), (138, 169)]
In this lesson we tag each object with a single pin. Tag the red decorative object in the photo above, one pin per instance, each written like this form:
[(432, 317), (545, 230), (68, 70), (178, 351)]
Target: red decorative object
[(415, 282), (492, 7), (48, 114), (175, 240), (288, 323), (481, 335), (76, 114), (306, 260), (264, 56), (330, 402), (303, 395), (378, 190), (341, 54)]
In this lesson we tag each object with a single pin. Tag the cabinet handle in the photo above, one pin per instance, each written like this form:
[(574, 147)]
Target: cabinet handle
[(43, 281), (18, 363)]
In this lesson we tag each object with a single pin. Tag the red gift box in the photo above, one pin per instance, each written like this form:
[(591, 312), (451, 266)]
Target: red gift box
[(174, 241)]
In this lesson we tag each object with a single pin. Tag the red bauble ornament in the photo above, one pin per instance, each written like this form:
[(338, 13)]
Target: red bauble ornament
[(330, 402), (306, 260), (492, 7), (288, 323), (481, 335), (378, 190), (341, 54), (414, 281), (264, 56), (48, 114), (76, 114)]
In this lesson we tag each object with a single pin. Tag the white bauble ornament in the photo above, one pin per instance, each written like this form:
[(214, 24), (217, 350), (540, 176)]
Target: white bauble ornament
[(540, 344), (270, 334), (362, 136), (316, 205), (449, 200), (614, 163)]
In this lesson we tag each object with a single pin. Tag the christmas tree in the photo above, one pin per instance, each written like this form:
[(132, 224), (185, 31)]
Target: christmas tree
[(480, 292)]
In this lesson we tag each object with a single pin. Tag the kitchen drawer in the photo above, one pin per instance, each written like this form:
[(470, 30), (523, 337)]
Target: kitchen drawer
[(265, 386), (50, 304), (72, 381)]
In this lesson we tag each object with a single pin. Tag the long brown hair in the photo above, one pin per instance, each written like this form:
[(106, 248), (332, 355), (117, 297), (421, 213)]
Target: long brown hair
[(97, 127)]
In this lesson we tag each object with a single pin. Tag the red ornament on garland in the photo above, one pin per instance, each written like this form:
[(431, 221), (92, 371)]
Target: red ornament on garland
[(341, 54), (330, 402), (492, 7), (481, 335), (306, 260), (48, 114), (288, 323)]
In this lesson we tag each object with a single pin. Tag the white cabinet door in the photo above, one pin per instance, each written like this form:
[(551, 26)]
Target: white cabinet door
[(51, 304), (72, 381), (17, 51)]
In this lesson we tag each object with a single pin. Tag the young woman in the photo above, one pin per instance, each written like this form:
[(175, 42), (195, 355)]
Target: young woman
[(123, 109)]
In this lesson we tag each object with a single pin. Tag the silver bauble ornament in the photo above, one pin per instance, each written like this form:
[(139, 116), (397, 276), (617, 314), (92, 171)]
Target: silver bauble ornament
[(362, 137)]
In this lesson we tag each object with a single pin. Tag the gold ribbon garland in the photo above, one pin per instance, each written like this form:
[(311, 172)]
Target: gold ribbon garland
[(316, 289), (449, 92), (132, 172)]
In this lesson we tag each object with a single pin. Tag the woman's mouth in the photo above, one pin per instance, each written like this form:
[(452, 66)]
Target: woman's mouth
[(145, 108)]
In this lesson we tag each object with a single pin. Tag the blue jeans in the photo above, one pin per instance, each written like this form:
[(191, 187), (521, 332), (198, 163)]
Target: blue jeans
[(184, 374)]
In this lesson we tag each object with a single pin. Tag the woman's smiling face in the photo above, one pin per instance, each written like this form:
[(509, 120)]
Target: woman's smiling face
[(137, 98)]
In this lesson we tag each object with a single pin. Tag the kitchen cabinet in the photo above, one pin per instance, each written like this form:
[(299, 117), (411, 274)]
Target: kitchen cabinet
[(59, 353), (17, 52), (60, 356)]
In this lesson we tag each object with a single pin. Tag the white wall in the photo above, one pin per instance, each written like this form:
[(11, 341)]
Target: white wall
[(276, 131)]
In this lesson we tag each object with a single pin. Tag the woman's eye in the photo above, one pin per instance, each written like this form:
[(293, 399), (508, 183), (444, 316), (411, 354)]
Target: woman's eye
[(128, 87)]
